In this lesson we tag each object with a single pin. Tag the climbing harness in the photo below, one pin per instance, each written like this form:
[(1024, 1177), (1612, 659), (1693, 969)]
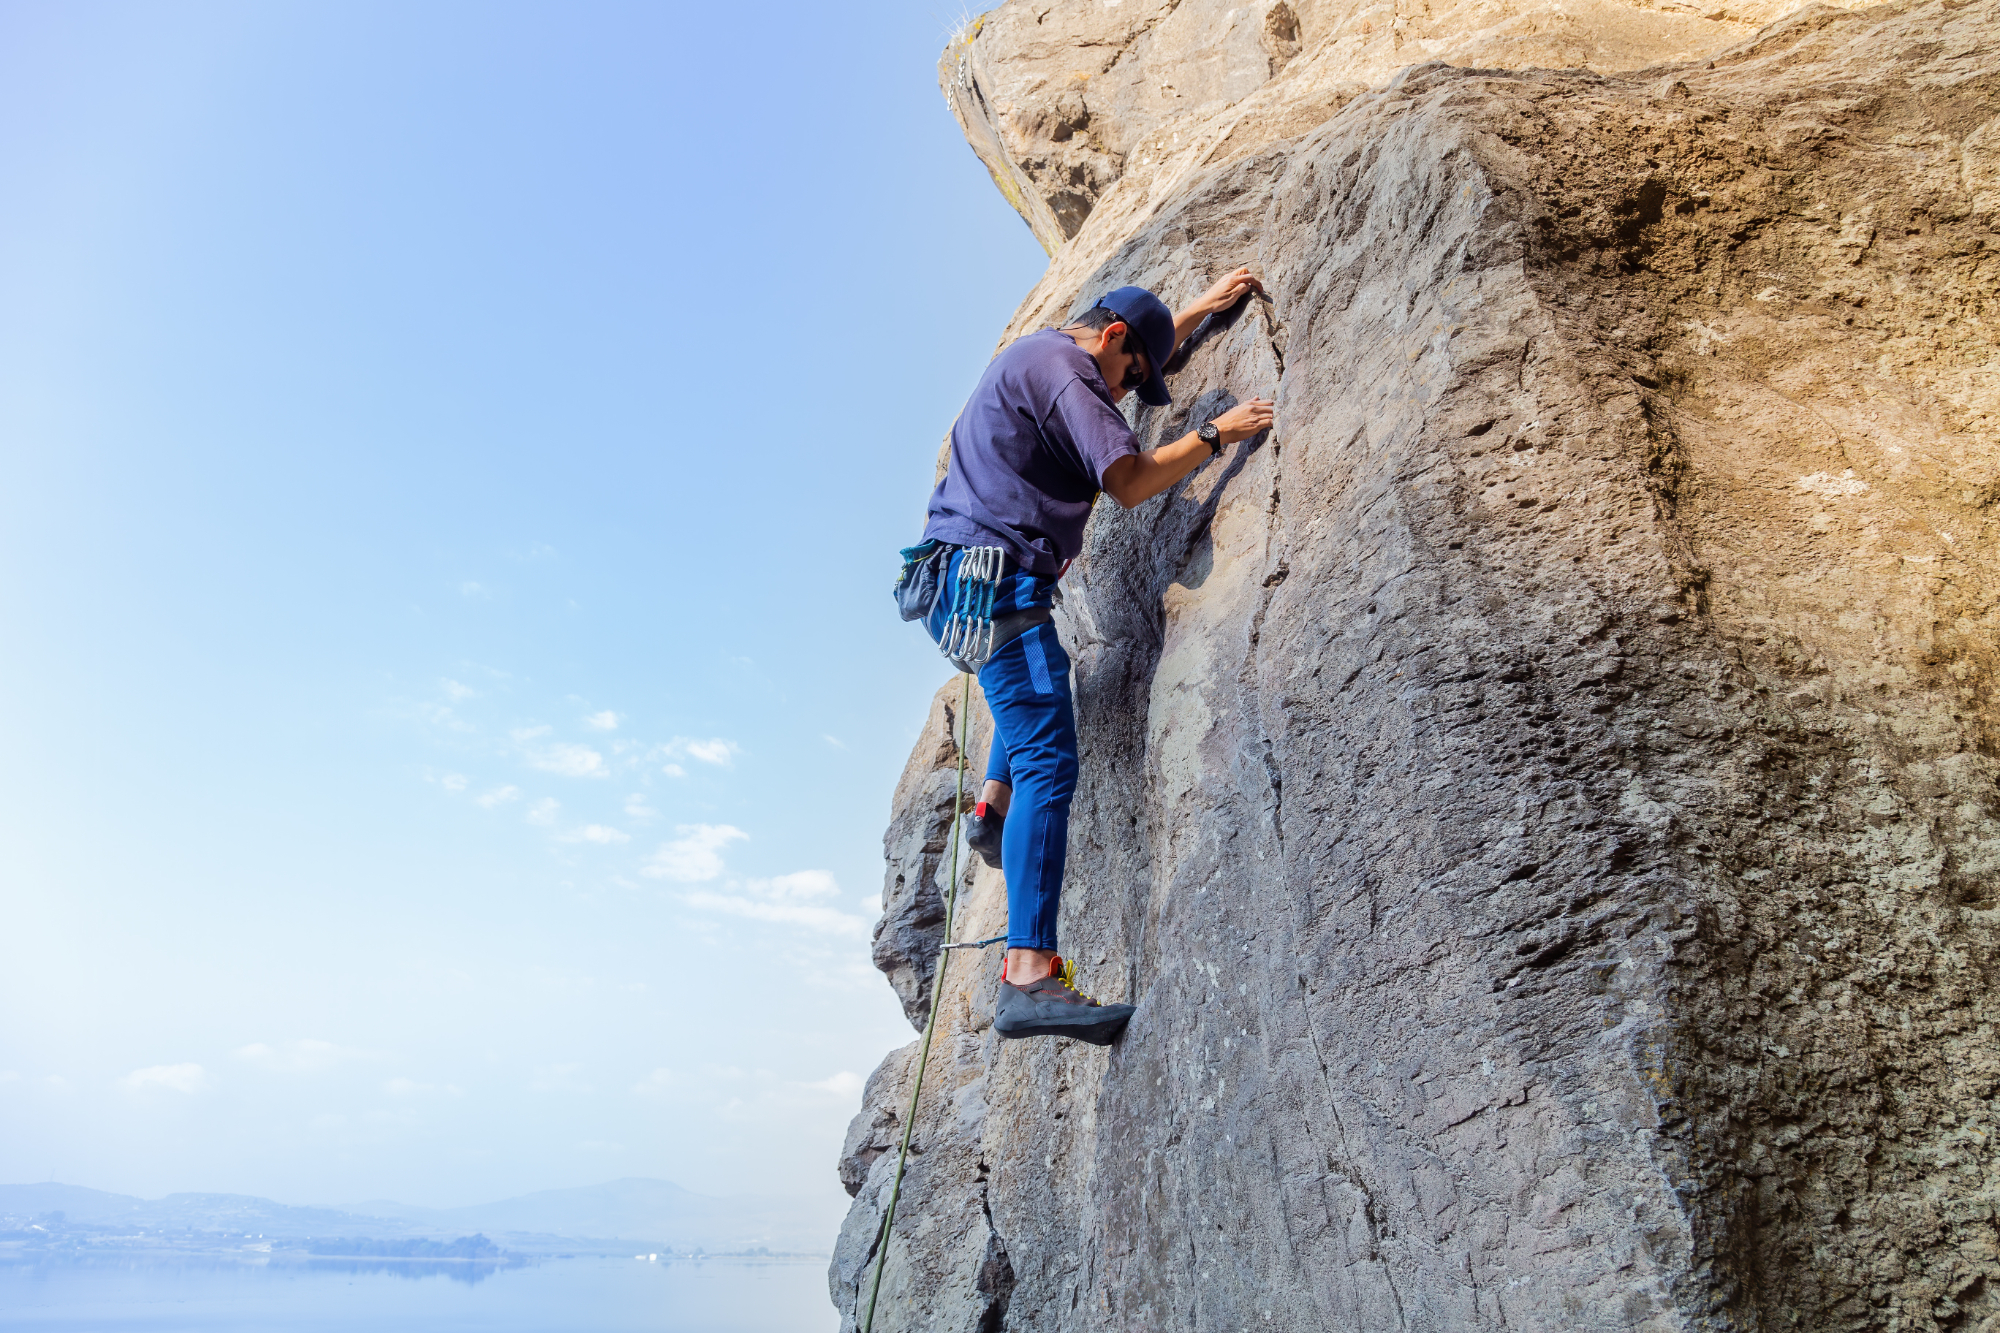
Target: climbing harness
[(968, 631), (937, 995)]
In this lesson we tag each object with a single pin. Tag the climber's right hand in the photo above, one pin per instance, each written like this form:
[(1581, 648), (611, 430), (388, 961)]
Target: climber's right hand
[(1244, 420)]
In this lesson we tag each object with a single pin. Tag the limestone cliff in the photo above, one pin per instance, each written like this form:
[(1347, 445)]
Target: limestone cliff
[(1545, 799)]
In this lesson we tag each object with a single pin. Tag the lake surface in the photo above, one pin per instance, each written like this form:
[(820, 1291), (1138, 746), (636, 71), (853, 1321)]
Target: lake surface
[(105, 1295)]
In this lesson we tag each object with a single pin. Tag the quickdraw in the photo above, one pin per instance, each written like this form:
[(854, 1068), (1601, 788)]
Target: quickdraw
[(968, 631)]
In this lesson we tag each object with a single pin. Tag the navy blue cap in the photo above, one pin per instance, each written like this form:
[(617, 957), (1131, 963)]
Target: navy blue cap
[(1147, 315)]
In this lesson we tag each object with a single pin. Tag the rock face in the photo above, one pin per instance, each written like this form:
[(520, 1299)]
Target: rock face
[(1545, 799), (1062, 100)]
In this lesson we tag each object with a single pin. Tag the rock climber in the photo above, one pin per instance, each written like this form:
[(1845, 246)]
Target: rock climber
[(1040, 437)]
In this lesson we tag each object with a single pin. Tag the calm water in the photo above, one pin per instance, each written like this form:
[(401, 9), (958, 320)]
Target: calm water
[(558, 1296)]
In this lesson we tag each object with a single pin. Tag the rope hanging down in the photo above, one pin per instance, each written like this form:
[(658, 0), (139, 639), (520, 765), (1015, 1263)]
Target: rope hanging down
[(937, 994)]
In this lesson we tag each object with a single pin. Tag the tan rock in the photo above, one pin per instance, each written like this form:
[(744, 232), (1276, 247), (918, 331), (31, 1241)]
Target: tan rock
[(1545, 799), (1063, 99)]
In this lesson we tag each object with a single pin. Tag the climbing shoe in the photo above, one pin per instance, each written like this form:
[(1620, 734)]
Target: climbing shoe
[(982, 832), (1053, 1007)]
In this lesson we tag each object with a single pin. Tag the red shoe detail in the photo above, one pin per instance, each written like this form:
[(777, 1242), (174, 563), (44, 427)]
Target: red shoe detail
[(979, 810)]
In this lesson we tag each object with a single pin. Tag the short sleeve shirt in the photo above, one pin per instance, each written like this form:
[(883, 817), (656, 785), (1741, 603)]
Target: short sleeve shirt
[(1028, 454)]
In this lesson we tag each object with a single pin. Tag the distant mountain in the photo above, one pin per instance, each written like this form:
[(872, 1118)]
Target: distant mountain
[(176, 1212), (74, 1201), (656, 1212)]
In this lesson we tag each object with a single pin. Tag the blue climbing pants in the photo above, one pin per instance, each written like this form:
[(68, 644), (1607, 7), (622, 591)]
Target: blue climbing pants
[(1034, 751)]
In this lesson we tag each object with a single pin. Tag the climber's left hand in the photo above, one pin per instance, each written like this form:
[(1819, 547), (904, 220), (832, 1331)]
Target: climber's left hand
[(1228, 290)]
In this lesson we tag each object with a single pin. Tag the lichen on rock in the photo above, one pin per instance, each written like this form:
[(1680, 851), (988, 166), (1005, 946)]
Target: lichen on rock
[(1545, 799)]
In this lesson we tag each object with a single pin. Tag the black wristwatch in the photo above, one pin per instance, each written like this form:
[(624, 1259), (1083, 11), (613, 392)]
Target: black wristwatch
[(1210, 436)]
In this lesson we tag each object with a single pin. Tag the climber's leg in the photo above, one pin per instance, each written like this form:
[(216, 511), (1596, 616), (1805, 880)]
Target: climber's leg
[(1027, 690), (986, 826), (999, 789)]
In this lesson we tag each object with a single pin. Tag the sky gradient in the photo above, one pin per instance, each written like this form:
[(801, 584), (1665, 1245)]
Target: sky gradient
[(450, 694)]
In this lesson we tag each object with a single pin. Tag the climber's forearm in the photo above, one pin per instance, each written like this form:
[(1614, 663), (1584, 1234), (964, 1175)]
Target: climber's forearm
[(1185, 321), (1136, 478)]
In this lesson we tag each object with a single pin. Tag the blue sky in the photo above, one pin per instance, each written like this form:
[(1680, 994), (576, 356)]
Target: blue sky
[(449, 694)]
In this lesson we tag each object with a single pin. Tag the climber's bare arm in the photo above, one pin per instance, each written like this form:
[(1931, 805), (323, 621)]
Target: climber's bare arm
[(1227, 291), (1136, 478)]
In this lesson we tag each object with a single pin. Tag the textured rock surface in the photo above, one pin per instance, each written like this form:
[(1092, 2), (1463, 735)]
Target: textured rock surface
[(1545, 800), (1063, 100)]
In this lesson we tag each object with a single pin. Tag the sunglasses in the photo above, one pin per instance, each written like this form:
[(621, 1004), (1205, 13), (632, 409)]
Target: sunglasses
[(1136, 373)]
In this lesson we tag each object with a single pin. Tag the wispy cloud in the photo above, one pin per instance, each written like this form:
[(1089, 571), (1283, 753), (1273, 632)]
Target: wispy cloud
[(601, 834), (636, 808), (674, 771), (834, 741), (186, 1078), (454, 782), (499, 796), (844, 1084), (305, 1056), (604, 721), (694, 857), (409, 1087), (469, 588), (456, 692), (543, 812), (656, 1084), (797, 899), (715, 750), (569, 760)]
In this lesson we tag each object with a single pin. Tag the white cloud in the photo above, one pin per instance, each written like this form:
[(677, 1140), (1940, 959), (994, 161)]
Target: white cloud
[(694, 856), (456, 692), (715, 750), (438, 715), (454, 782), (405, 1087), (571, 761), (844, 1084), (655, 1084), (499, 796), (834, 741), (636, 808), (543, 812), (471, 589), (824, 920), (305, 1056), (529, 733), (790, 900), (187, 1078), (674, 771), (604, 721), (798, 886), (601, 834)]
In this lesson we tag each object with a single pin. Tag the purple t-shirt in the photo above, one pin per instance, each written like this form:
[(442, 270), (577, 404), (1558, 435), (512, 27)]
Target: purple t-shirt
[(1028, 454)]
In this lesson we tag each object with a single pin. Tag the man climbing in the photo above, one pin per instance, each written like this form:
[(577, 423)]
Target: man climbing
[(1040, 437)]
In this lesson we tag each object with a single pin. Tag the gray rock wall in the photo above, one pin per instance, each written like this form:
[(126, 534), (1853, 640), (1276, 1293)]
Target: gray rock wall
[(1544, 800)]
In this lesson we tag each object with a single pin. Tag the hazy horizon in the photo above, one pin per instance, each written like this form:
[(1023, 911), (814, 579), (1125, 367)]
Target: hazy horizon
[(451, 700)]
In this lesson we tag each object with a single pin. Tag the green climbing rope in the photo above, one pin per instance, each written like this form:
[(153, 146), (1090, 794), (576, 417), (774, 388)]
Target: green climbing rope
[(930, 1025)]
